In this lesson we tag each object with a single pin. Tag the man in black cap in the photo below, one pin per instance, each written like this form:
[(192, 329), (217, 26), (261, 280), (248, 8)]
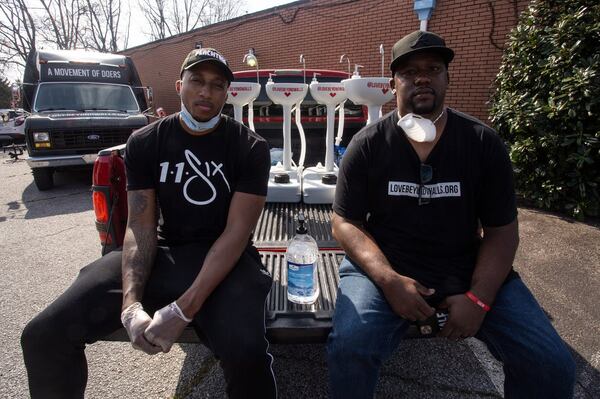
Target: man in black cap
[(413, 190), (196, 185)]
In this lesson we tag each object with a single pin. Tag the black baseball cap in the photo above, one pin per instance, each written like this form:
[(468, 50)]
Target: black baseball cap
[(207, 55), (419, 42)]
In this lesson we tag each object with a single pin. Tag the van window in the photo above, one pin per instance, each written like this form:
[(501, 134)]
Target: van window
[(85, 97)]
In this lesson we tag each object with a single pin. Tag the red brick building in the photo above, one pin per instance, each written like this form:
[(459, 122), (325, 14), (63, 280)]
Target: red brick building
[(323, 30)]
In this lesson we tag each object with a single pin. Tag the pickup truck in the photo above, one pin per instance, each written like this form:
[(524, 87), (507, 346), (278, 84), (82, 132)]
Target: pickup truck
[(286, 322)]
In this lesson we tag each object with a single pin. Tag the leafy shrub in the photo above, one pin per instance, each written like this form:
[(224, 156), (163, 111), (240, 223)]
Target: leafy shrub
[(547, 105)]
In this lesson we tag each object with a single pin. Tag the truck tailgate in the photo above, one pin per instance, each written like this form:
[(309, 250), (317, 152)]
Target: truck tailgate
[(288, 322)]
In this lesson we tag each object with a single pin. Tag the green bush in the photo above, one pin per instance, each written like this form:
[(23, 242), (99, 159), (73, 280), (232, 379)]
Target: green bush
[(547, 105)]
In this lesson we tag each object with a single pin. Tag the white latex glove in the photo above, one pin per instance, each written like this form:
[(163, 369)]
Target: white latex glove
[(167, 325), (136, 320)]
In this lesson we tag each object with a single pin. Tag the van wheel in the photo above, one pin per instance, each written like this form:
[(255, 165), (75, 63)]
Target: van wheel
[(43, 178)]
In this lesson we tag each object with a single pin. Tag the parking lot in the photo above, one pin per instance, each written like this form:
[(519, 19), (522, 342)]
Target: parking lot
[(46, 237)]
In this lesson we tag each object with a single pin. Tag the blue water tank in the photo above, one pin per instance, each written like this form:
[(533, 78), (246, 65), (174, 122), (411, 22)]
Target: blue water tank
[(424, 8)]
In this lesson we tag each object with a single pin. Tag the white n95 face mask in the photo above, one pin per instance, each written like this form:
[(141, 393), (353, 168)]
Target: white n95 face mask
[(198, 126), (417, 128)]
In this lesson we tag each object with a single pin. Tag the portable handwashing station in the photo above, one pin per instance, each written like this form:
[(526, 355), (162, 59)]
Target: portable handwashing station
[(372, 92), (241, 94), (318, 182), (285, 178)]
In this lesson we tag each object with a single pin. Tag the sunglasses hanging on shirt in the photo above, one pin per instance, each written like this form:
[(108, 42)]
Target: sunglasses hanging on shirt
[(425, 176)]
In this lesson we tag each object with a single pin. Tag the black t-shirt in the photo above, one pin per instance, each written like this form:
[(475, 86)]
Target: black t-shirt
[(195, 176), (435, 243)]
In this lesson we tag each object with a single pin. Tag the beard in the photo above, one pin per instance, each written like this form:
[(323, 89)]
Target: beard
[(424, 108)]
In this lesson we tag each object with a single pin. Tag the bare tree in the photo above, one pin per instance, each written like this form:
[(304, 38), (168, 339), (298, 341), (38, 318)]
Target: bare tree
[(102, 25), (61, 22), (96, 24), (17, 34), (221, 10), (171, 17), (155, 12), (191, 15)]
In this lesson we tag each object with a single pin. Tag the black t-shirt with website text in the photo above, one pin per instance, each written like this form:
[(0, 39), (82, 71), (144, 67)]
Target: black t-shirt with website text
[(195, 176), (435, 243)]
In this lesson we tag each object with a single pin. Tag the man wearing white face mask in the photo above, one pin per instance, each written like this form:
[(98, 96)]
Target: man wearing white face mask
[(413, 189), (206, 175)]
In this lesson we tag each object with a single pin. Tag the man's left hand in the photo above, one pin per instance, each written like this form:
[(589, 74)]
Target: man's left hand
[(464, 318), (165, 328)]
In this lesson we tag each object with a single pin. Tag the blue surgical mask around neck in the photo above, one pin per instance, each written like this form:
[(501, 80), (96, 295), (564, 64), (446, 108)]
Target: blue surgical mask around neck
[(198, 126)]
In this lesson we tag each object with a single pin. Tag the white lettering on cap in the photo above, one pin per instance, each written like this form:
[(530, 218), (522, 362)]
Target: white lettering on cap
[(211, 53)]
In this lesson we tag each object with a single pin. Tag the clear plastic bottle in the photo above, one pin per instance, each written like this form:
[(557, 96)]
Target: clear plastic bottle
[(301, 255)]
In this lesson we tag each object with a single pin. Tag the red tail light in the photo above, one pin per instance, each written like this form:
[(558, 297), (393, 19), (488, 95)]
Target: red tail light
[(100, 206), (110, 198), (102, 215)]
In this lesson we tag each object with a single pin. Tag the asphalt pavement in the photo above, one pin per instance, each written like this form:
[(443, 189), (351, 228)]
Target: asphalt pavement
[(46, 237)]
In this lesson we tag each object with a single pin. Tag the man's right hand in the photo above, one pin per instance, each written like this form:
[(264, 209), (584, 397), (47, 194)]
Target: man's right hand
[(136, 320), (405, 297)]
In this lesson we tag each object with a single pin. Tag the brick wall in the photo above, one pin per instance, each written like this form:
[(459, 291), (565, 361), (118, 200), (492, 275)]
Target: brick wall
[(323, 30)]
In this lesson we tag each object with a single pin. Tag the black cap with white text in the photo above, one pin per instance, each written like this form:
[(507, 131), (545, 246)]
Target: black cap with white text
[(197, 56)]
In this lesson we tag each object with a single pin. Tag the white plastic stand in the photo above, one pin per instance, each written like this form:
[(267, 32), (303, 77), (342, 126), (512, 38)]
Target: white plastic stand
[(285, 183), (318, 182)]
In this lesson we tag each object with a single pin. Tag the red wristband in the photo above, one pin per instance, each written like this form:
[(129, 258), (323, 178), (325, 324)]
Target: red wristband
[(477, 301)]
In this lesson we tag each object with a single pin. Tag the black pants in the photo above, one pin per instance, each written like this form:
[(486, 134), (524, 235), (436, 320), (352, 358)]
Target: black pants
[(231, 322)]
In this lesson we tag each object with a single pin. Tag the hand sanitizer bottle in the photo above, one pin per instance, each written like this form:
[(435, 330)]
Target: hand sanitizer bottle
[(301, 256)]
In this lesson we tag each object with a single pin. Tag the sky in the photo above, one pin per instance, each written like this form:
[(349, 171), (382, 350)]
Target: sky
[(250, 6), (257, 5)]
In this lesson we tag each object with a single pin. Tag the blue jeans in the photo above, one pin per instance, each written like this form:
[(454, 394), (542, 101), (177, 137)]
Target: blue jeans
[(366, 331)]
